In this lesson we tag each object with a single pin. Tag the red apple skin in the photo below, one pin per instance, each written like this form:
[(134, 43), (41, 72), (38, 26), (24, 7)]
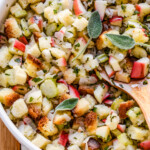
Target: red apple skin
[(106, 96), (120, 128), (117, 20), (138, 8), (62, 62), (108, 102), (137, 70), (19, 45), (52, 42), (63, 138), (23, 40), (145, 145), (73, 92), (62, 81), (78, 7)]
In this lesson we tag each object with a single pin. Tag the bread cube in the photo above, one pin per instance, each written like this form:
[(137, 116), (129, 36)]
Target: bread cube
[(77, 138), (38, 8), (27, 131), (46, 55), (12, 28), (74, 147), (80, 23), (81, 108), (62, 117), (123, 139), (15, 8), (34, 1), (102, 111), (34, 97), (10, 77), (65, 17), (8, 96), (57, 53), (47, 127), (23, 3), (3, 79), (112, 121), (137, 133), (103, 132), (62, 89), (44, 43), (91, 122), (54, 147), (46, 106), (91, 100), (49, 14), (5, 56), (118, 146), (40, 141), (19, 108), (125, 10), (69, 76), (135, 115), (15, 61)]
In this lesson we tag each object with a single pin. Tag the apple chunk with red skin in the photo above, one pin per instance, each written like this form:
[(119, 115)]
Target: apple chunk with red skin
[(78, 8), (116, 21), (140, 68), (145, 145), (19, 46)]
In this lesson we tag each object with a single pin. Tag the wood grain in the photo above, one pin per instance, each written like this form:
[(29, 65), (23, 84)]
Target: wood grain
[(7, 141)]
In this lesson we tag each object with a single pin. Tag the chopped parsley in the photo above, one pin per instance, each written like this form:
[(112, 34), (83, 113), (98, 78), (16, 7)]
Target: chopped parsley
[(145, 82), (136, 12), (94, 109), (76, 70), (31, 99), (121, 85), (7, 74), (123, 7), (55, 76), (55, 11), (18, 60), (77, 45), (36, 79), (106, 148)]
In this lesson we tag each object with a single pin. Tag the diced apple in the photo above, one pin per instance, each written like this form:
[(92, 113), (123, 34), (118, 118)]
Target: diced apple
[(60, 35), (62, 81), (78, 8), (122, 76), (19, 46), (121, 127), (106, 96), (100, 92), (73, 92), (23, 40), (52, 42), (61, 62), (145, 145), (143, 8), (140, 68), (63, 138), (100, 6), (114, 63), (110, 72), (108, 102), (116, 21)]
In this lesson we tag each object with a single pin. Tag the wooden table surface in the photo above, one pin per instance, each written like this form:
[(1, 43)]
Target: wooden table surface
[(7, 141)]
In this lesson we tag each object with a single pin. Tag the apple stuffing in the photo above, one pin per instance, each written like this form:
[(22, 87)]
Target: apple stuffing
[(52, 54)]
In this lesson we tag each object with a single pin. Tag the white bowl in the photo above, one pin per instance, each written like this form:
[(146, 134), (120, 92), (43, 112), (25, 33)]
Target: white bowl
[(4, 8)]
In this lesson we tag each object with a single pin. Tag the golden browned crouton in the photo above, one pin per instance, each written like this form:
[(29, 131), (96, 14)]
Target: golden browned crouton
[(12, 29), (122, 76), (34, 111), (91, 122), (124, 107), (64, 97), (84, 89), (78, 122)]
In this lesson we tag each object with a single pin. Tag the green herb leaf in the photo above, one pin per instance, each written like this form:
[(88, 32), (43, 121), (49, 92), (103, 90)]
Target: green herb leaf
[(95, 25), (76, 70), (121, 41), (18, 60), (36, 79), (68, 104), (31, 99)]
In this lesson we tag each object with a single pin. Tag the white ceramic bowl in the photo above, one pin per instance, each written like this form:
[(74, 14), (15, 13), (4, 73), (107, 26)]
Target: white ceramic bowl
[(4, 8)]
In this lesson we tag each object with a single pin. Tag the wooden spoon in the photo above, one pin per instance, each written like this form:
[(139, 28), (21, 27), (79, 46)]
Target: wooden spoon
[(139, 92)]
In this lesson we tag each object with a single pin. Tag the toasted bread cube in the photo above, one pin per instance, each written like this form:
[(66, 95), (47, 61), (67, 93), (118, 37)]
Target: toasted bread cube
[(47, 127), (19, 108), (15, 61), (3, 79), (8, 96), (125, 10), (44, 43), (137, 133), (12, 29), (5, 57), (65, 17), (38, 8), (62, 89), (102, 111), (112, 121), (35, 110), (46, 106), (10, 77), (78, 122), (81, 108), (69, 76), (91, 100), (34, 97), (122, 76), (57, 53), (80, 23), (34, 1), (23, 3), (62, 117), (103, 132), (40, 141), (49, 13), (91, 122), (54, 147), (27, 131), (15, 8), (77, 138)]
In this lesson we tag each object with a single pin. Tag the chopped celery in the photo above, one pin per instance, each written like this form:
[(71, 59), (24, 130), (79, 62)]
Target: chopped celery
[(20, 13), (102, 58), (116, 132), (60, 26), (50, 29), (98, 74), (115, 105), (25, 28)]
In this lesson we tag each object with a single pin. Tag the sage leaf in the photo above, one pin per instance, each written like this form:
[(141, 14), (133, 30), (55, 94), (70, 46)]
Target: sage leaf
[(94, 27), (121, 41), (68, 104)]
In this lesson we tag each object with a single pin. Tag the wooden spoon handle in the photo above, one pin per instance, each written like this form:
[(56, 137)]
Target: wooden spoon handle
[(142, 96)]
